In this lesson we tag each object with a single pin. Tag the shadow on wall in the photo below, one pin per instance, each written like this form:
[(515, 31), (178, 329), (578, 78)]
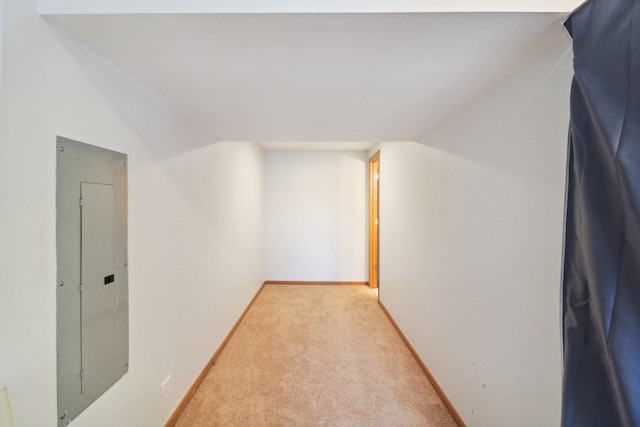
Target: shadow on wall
[(134, 104), (529, 118)]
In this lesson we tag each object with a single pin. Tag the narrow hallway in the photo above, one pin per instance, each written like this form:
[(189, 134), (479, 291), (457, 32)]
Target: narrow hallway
[(315, 355)]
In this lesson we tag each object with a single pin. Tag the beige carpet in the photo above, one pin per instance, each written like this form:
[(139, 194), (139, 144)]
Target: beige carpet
[(310, 355)]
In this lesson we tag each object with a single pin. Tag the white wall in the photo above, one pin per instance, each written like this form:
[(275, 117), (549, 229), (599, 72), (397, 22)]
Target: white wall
[(471, 242), (315, 215), (195, 225)]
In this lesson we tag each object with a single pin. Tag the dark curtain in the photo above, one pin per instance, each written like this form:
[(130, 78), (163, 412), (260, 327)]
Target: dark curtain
[(601, 285)]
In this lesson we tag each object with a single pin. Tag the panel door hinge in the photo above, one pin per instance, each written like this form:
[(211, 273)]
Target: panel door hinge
[(81, 373), (377, 221), (81, 202), (81, 287)]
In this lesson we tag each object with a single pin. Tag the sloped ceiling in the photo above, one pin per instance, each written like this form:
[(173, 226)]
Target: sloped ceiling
[(316, 77), (62, 7)]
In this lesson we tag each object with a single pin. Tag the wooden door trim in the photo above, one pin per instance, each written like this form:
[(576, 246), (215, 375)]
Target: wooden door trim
[(374, 205)]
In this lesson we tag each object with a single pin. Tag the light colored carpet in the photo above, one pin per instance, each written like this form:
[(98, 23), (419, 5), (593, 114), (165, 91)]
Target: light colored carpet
[(310, 355)]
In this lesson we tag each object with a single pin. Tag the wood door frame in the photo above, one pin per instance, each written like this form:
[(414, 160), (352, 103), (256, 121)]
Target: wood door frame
[(374, 213)]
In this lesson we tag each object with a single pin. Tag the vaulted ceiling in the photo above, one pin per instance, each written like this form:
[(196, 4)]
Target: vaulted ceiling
[(313, 76)]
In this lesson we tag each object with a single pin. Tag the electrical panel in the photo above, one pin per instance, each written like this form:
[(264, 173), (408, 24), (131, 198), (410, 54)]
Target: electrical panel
[(92, 281)]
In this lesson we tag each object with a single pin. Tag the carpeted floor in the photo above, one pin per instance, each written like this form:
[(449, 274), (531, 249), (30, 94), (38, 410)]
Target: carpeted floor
[(315, 355)]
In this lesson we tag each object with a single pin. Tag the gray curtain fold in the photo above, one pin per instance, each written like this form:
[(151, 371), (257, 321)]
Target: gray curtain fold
[(601, 285)]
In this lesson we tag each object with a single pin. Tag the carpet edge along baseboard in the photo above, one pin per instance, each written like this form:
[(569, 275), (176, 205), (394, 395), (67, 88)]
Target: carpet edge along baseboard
[(443, 396), (307, 282), (171, 422)]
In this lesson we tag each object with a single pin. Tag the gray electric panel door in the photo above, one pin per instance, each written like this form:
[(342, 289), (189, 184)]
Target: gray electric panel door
[(99, 294), (92, 299)]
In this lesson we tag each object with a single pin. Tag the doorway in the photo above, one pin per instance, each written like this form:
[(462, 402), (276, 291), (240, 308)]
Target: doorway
[(374, 220)]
